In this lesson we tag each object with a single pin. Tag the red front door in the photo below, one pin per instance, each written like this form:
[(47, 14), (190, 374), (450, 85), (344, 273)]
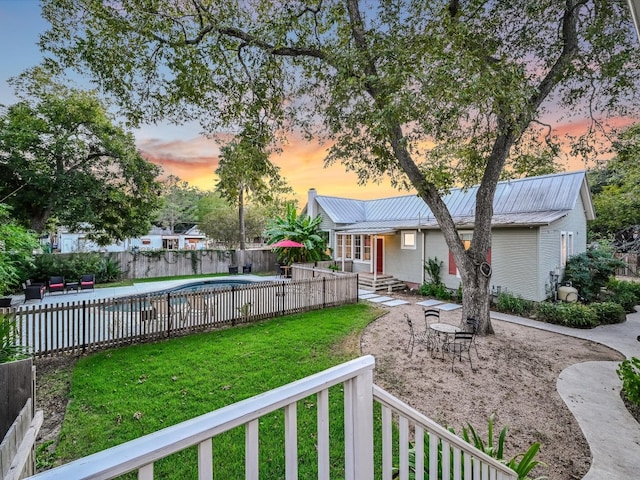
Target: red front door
[(379, 255)]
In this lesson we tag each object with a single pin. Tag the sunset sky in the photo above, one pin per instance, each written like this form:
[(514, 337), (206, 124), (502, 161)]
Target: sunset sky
[(182, 150)]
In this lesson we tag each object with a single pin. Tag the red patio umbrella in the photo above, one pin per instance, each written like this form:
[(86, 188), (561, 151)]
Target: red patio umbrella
[(286, 243)]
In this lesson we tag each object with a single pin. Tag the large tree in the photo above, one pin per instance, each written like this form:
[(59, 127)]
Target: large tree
[(179, 203), (63, 157), (246, 173), (430, 93), (615, 186)]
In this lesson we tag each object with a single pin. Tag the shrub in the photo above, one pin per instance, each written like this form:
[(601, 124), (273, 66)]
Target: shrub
[(514, 304), (625, 293), (73, 266), (436, 290), (629, 373), (522, 464), (9, 350), (573, 315), (590, 271), (608, 312), (433, 267)]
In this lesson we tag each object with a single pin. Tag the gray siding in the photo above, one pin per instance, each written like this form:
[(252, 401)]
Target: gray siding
[(513, 252), (436, 247), (550, 248), (514, 261), (404, 264)]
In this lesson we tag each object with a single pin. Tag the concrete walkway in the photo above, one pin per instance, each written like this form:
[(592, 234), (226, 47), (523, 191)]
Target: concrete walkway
[(591, 390)]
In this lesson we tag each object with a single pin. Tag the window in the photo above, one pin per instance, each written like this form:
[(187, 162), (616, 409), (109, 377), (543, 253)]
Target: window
[(339, 246), (367, 248), (466, 242), (348, 246), (408, 240), (357, 247), (566, 247)]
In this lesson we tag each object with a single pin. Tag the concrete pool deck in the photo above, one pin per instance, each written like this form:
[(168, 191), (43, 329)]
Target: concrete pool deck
[(135, 289)]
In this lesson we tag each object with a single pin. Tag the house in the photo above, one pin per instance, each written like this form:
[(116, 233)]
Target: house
[(538, 222), (158, 238)]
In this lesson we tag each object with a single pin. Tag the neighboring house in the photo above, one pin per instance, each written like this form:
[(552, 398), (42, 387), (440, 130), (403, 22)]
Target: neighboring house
[(538, 222), (157, 239)]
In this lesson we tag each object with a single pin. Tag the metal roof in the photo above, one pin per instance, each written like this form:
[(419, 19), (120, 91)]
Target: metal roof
[(528, 201)]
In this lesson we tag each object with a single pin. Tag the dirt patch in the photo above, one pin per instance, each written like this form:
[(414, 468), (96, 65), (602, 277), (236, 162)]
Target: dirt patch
[(515, 379), (53, 381)]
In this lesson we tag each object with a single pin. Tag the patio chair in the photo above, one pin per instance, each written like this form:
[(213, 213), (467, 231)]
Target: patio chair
[(56, 284), (33, 291), (431, 315), (180, 309), (413, 335), (87, 282), (474, 325), (459, 344)]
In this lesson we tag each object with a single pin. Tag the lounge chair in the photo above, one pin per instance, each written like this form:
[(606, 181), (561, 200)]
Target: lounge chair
[(33, 290), (56, 284), (87, 282)]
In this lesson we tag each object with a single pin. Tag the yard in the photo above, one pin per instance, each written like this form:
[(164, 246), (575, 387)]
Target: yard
[(126, 393)]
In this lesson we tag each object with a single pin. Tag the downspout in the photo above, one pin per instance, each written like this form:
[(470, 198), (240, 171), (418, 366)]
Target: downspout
[(424, 248)]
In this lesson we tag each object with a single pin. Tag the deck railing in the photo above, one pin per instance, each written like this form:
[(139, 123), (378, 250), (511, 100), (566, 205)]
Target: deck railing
[(79, 327), (449, 458)]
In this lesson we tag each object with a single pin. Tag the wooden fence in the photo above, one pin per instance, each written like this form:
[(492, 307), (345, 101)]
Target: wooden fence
[(79, 327), (631, 268), (19, 425)]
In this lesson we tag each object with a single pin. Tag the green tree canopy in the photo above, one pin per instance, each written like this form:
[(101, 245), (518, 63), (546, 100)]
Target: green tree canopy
[(16, 251), (432, 94), (63, 156), (179, 203), (245, 173), (615, 185), (299, 228)]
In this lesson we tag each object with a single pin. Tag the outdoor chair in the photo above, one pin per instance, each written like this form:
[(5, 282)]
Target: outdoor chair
[(33, 291), (431, 315), (459, 344), (474, 325), (180, 310), (87, 282), (56, 284), (413, 335), (246, 268)]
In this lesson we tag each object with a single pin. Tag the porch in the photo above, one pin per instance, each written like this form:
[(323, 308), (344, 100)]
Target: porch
[(438, 453)]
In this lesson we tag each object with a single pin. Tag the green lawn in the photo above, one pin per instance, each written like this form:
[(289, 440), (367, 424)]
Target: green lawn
[(121, 394)]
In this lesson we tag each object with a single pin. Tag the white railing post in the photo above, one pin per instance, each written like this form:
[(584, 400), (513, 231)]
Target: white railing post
[(363, 424), (291, 441)]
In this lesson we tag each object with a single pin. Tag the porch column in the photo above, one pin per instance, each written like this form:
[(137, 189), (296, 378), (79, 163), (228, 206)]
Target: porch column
[(374, 264)]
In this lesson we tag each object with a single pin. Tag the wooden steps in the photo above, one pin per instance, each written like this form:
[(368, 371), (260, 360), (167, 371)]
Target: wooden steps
[(382, 282)]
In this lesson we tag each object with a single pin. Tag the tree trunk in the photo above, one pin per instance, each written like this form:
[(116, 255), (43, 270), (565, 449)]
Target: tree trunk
[(475, 294), (241, 219), (38, 221)]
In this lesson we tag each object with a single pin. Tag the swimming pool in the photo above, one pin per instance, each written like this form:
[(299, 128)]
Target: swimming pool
[(140, 301), (204, 285)]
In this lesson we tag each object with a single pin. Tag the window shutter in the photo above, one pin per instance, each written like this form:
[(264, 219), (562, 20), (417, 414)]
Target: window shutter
[(452, 264)]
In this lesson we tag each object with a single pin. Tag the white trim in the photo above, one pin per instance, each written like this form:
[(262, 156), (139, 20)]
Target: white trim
[(408, 239)]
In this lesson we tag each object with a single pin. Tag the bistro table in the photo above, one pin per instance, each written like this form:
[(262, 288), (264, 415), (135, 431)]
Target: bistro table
[(442, 330), (71, 286)]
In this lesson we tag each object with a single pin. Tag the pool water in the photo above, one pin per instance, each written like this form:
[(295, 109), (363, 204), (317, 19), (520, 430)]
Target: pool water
[(139, 302)]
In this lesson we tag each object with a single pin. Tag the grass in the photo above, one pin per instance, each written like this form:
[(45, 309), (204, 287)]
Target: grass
[(122, 394)]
